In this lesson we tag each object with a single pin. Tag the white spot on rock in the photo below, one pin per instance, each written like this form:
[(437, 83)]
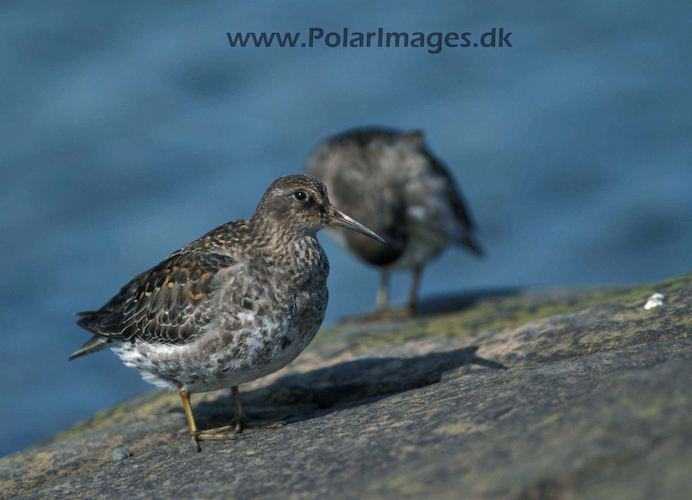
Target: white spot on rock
[(654, 301), (121, 454)]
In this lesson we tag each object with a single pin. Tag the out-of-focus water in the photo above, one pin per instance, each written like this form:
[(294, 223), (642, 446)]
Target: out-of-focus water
[(129, 130)]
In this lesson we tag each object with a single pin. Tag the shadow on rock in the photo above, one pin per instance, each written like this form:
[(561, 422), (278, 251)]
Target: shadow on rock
[(438, 304), (352, 383), (463, 300)]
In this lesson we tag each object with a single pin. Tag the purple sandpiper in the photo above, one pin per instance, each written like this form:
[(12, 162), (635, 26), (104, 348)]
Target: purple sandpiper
[(233, 306), (390, 181)]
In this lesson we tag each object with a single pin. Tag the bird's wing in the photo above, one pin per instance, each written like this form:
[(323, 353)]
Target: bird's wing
[(169, 303), (121, 297), (456, 201), (453, 194)]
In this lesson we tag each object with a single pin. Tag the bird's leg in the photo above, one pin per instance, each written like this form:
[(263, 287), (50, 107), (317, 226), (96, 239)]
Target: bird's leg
[(240, 420), (383, 311), (196, 435), (383, 293), (415, 286), (190, 418)]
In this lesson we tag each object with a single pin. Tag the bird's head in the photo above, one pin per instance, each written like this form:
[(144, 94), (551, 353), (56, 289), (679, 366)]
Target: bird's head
[(299, 204)]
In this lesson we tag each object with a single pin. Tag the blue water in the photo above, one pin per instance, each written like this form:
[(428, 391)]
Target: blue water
[(129, 130)]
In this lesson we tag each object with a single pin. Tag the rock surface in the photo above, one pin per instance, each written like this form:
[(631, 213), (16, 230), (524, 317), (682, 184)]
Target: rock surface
[(595, 403)]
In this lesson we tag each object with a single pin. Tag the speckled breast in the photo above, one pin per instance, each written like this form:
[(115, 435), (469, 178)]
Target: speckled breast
[(281, 311)]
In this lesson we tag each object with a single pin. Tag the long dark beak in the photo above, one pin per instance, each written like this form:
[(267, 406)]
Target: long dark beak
[(338, 218)]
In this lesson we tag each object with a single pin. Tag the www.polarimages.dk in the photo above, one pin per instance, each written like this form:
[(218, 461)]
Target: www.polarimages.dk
[(495, 37)]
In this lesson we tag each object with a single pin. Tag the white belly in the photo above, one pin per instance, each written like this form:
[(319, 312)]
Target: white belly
[(219, 360)]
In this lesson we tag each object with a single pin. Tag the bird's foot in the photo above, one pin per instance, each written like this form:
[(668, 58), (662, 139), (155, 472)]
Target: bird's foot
[(407, 312), (243, 423), (219, 434), (386, 315)]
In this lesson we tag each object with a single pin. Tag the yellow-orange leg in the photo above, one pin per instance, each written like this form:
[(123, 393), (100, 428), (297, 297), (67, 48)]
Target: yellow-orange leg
[(220, 434)]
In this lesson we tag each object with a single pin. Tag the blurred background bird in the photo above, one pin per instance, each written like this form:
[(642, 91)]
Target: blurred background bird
[(391, 181)]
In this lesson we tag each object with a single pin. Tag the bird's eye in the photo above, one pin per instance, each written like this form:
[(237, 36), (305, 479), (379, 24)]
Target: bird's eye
[(300, 195)]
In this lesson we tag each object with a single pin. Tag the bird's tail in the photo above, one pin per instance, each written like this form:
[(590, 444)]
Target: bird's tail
[(95, 344), (467, 241)]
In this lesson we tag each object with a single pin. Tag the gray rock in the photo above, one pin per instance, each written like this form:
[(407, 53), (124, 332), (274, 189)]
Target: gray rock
[(594, 403)]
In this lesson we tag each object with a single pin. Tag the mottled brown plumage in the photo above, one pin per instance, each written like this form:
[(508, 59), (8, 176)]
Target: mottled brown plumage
[(170, 303), (235, 305)]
